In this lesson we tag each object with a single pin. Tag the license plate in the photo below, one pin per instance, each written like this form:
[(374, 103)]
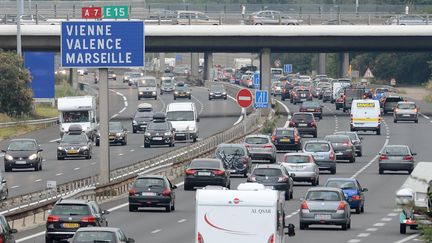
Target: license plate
[(21, 162), (302, 125), (232, 171), (322, 216), (303, 95), (148, 194), (302, 99), (285, 140), (142, 126), (204, 173), (310, 109), (339, 153), (180, 134), (70, 225), (318, 157), (157, 138), (72, 152), (406, 115), (297, 167), (111, 137)]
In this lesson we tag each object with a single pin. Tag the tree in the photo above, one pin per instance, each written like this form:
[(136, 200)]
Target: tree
[(16, 96)]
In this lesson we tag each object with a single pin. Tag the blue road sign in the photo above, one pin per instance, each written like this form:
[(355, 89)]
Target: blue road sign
[(102, 44), (41, 67), (178, 57), (256, 81), (261, 99), (287, 68)]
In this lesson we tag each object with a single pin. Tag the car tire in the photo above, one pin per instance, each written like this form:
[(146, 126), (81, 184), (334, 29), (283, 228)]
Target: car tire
[(60, 158), (187, 187), (194, 140), (402, 228), (360, 154), (36, 167), (5, 195), (132, 208), (381, 171), (337, 108), (352, 160), (88, 157), (155, 97), (209, 98), (139, 98), (190, 97), (175, 98), (416, 121), (283, 98), (362, 209), (40, 166), (134, 131), (320, 117), (303, 226), (291, 195), (378, 132), (409, 171), (146, 145), (315, 182), (349, 224), (97, 144), (345, 226), (333, 171), (173, 206), (315, 134), (358, 210), (48, 240), (394, 121), (168, 208), (273, 160), (245, 174), (287, 195)]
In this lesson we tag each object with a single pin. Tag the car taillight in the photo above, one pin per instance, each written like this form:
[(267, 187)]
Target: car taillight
[(200, 238), (292, 124), (302, 110), (341, 206), (296, 138), (295, 94), (273, 138), (346, 143), (53, 218), (332, 156), (383, 157), (166, 192), (304, 207), (407, 157), (416, 110), (356, 197), (219, 172), (313, 124), (251, 179), (132, 192), (317, 109), (283, 178), (88, 219), (271, 239), (190, 172), (267, 146)]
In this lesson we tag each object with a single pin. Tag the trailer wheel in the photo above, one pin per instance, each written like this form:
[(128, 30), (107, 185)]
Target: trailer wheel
[(402, 229)]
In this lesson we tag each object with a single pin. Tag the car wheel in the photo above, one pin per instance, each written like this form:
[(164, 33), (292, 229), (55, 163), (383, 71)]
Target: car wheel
[(315, 182), (416, 121), (168, 208), (97, 143), (358, 210), (402, 229), (173, 206), (315, 134), (88, 156), (349, 224), (175, 98), (378, 132), (5, 194), (303, 226), (394, 121), (190, 97), (283, 98), (134, 131), (155, 97), (352, 160), (36, 167), (40, 166), (362, 208), (381, 171), (333, 171), (320, 117), (345, 226), (287, 195), (245, 174), (187, 187), (146, 145), (360, 154), (409, 171), (291, 195), (60, 158), (194, 140), (132, 208), (273, 160), (209, 98), (139, 98), (48, 240)]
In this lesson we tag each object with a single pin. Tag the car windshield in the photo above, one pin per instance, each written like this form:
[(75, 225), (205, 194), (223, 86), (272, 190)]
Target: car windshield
[(396, 151), (75, 116), (168, 82), (337, 138), (205, 164), (323, 196), (22, 145), (406, 106), (267, 172), (343, 184), (182, 88), (217, 88), (158, 126), (149, 182), (94, 236), (302, 117), (302, 91), (148, 82), (317, 147), (231, 151), (180, 116), (297, 159), (285, 132), (74, 138), (256, 140), (70, 209)]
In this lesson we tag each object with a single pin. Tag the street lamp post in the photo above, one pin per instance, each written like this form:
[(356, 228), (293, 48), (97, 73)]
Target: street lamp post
[(20, 5)]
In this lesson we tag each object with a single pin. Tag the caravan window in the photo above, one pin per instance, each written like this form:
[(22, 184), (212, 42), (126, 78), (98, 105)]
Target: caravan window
[(75, 116)]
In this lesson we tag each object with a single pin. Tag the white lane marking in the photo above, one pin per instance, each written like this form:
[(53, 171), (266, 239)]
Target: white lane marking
[(354, 241), (386, 219), (125, 103), (120, 154), (13, 187), (77, 168), (363, 235), (132, 150), (392, 214), (288, 113), (404, 239), (201, 104), (55, 140), (240, 117), (379, 224), (114, 116), (38, 180), (423, 115), (59, 174), (163, 104), (371, 229), (181, 220), (370, 162), (30, 237), (156, 231), (92, 163), (124, 108)]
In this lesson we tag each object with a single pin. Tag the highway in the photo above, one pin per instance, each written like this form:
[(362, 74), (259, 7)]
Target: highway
[(215, 116), (379, 223)]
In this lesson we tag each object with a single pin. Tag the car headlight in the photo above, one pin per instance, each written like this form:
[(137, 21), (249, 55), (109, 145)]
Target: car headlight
[(84, 147), (8, 157), (224, 93), (176, 92), (167, 134), (119, 134), (211, 93), (154, 92), (147, 134), (187, 92), (60, 148), (134, 122), (140, 93), (114, 75), (33, 157)]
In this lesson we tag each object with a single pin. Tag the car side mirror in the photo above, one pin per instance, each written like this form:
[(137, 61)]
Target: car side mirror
[(197, 119), (173, 129), (4, 151), (105, 212), (292, 174), (58, 141), (14, 231), (365, 190), (40, 150), (248, 174), (130, 240), (94, 119)]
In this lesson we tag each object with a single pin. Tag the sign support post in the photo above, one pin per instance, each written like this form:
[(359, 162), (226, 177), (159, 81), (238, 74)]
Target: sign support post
[(104, 163)]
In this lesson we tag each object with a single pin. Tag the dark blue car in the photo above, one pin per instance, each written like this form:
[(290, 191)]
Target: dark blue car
[(354, 193)]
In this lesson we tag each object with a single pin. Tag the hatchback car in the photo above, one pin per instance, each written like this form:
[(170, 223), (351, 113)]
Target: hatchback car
[(152, 191), (301, 95), (327, 94), (287, 139), (405, 111), (260, 147), (159, 132), (182, 91), (74, 144), (343, 147), (323, 154), (356, 141), (204, 172), (275, 176), (23, 153), (325, 205), (390, 102), (236, 158), (117, 134), (167, 85), (217, 91), (68, 215), (396, 158), (302, 167), (312, 106), (354, 193), (100, 234), (6, 232), (305, 123)]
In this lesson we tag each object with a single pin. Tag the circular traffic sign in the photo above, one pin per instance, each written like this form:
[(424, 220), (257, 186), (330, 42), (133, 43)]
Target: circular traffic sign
[(244, 98)]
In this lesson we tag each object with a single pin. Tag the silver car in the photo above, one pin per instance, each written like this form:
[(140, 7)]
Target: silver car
[(325, 205), (271, 17), (405, 111), (261, 147), (355, 139), (302, 167), (323, 153)]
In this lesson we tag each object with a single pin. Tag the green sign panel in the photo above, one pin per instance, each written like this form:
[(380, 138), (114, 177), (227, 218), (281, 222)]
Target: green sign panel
[(115, 12)]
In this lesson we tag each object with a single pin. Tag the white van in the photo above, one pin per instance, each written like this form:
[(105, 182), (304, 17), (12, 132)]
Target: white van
[(183, 117), (243, 215), (366, 116), (147, 87)]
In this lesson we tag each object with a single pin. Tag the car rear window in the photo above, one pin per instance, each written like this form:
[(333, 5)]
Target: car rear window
[(94, 236), (149, 182), (397, 151), (70, 209), (267, 172), (393, 99), (317, 147), (323, 196), (302, 117), (231, 151), (343, 184), (256, 140), (205, 164), (337, 139), (406, 106), (297, 159), (301, 91), (285, 132)]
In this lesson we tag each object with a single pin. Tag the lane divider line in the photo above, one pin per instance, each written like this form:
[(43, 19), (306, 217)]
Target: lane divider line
[(408, 238)]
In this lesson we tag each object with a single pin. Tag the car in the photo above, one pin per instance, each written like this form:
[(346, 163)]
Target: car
[(366, 116), (134, 78), (327, 94), (117, 134), (100, 234), (112, 75), (271, 17), (390, 103), (152, 191), (159, 132), (301, 95), (405, 111), (325, 205), (6, 232), (340, 100), (147, 87), (305, 123), (204, 172), (275, 176), (287, 89), (396, 158), (312, 106), (302, 167), (74, 144), (277, 88), (82, 71), (260, 147), (167, 85), (320, 88), (143, 116), (236, 158), (23, 153), (356, 141), (286, 138), (354, 193), (68, 215), (323, 154), (342, 146), (217, 91), (194, 17), (406, 20), (182, 90)]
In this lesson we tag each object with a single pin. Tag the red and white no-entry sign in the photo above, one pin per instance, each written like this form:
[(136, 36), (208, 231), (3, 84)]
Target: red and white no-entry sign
[(244, 98)]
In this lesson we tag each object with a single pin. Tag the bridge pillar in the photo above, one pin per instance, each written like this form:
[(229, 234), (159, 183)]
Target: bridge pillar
[(162, 62), (344, 64), (321, 63), (208, 65), (265, 65), (194, 66), (73, 78)]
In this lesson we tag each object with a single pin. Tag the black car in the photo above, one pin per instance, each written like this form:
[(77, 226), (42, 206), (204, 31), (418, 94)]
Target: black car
[(343, 147), (305, 123), (275, 176), (68, 215), (101, 234), (142, 117), (235, 156), (327, 94), (152, 191), (204, 172), (159, 132), (286, 139), (6, 232), (301, 95), (217, 91), (74, 144), (117, 134), (287, 89), (23, 153), (182, 91), (312, 106), (390, 102)]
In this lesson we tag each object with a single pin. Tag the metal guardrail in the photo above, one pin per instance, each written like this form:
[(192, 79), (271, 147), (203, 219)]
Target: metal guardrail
[(46, 121)]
